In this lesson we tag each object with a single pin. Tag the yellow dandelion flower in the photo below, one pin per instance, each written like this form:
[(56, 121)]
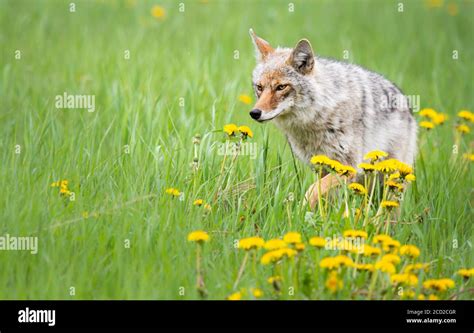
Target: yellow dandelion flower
[(433, 298), (320, 160), (371, 251), (173, 192), (375, 155), (392, 258), (344, 170), (158, 12), (334, 283), (378, 239), (439, 119), (393, 185), (469, 157), (429, 113), (292, 238), (257, 293), (365, 267), (416, 267), (466, 272), (55, 184), (466, 115), (394, 176), (246, 131), (275, 244), (251, 243), (439, 284), (274, 279), (406, 279), (389, 204), (198, 236), (317, 242), (355, 234), (391, 245), (385, 266), (463, 129), (299, 247), (367, 167), (410, 178), (246, 99), (198, 202), (235, 296), (358, 188), (410, 251), (230, 129), (387, 166), (427, 125)]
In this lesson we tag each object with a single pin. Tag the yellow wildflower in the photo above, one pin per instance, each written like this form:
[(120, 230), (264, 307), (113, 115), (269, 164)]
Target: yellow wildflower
[(257, 293), (463, 129), (392, 258), (292, 238), (385, 266), (246, 99), (406, 279), (367, 167), (416, 267), (365, 267), (235, 296), (375, 155), (230, 129), (317, 242), (393, 185), (381, 239), (466, 115), (274, 279), (158, 12), (427, 125), (469, 157), (389, 204), (320, 160), (251, 243), (410, 178), (429, 113), (198, 202), (439, 284), (299, 247), (391, 245), (394, 176), (246, 131), (198, 236), (410, 251), (358, 188), (173, 192), (345, 170), (275, 244), (371, 251), (333, 283), (355, 234), (466, 272), (439, 119)]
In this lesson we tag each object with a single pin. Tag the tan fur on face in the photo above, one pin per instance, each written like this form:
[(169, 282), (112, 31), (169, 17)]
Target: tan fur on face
[(270, 98)]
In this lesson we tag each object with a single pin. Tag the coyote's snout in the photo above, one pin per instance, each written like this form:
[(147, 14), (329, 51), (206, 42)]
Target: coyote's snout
[(329, 107)]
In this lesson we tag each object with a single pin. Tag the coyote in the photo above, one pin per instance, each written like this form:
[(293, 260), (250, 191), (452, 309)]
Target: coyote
[(328, 107)]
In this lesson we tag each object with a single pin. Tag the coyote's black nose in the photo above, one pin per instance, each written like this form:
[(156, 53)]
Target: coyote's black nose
[(255, 114)]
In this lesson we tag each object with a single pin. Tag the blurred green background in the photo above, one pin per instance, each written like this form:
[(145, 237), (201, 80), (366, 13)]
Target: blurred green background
[(120, 158)]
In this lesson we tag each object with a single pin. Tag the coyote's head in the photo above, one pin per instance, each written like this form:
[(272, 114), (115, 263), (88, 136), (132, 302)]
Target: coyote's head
[(281, 79)]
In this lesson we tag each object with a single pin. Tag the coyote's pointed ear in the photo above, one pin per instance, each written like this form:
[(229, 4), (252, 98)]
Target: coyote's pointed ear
[(262, 47), (302, 57)]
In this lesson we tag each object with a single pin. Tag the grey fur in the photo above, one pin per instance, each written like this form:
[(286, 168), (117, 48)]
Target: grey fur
[(337, 109)]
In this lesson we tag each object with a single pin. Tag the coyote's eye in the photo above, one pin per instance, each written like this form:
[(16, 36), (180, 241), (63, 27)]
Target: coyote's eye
[(259, 88), (281, 87)]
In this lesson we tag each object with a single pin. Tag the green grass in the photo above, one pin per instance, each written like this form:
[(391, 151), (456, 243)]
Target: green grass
[(190, 55)]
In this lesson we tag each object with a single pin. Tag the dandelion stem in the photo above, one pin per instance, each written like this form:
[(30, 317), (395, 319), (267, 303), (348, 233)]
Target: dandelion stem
[(241, 269)]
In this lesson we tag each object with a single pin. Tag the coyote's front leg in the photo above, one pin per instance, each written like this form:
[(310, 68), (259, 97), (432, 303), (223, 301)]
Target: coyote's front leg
[(327, 182)]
